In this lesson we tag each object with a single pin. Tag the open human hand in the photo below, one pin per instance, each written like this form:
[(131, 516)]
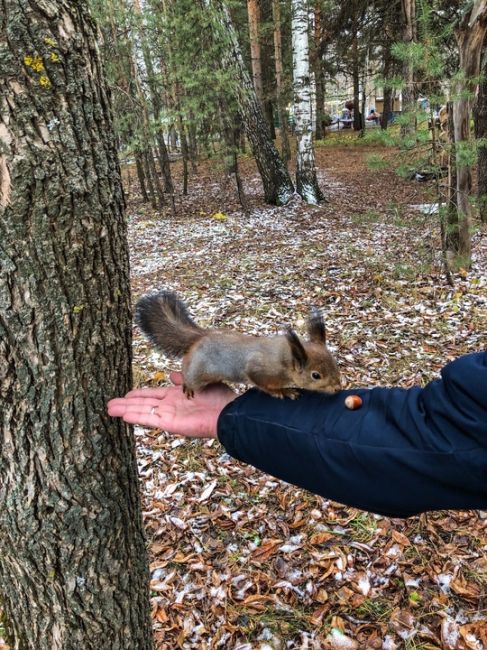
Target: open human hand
[(168, 408)]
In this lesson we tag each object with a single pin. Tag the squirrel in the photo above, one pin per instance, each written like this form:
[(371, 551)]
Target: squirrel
[(277, 365)]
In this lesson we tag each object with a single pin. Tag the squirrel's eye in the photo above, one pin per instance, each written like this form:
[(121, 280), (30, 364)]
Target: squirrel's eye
[(315, 375)]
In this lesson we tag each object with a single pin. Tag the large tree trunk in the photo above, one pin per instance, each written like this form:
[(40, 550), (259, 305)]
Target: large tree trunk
[(306, 181), (480, 114), (469, 36), (408, 127), (278, 188), (254, 22), (276, 15), (73, 565)]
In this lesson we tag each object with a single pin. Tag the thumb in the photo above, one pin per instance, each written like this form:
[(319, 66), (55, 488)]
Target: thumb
[(176, 378)]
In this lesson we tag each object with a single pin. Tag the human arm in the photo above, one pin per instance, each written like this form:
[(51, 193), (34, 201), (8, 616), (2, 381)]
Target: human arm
[(403, 452)]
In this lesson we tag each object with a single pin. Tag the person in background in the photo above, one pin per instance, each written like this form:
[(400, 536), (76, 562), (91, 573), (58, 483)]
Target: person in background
[(374, 116)]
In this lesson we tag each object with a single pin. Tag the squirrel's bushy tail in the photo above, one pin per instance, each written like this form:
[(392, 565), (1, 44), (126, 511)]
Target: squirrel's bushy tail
[(164, 319)]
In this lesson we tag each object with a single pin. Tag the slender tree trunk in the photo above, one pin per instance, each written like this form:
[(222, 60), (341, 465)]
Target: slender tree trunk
[(470, 37), (253, 10), (408, 128), (159, 193), (362, 106), (149, 178), (306, 180), (184, 152), (320, 101), (156, 105), (192, 142), (152, 177), (231, 137), (278, 187), (141, 177), (387, 103), (452, 231), (73, 564), (480, 115), (173, 138), (276, 15), (238, 179), (440, 196), (357, 116)]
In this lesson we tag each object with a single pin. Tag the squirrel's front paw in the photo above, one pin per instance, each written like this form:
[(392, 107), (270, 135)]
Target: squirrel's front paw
[(188, 391), (292, 393)]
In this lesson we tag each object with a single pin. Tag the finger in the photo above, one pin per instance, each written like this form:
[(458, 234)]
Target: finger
[(116, 406), (157, 393), (120, 405), (176, 378), (142, 419)]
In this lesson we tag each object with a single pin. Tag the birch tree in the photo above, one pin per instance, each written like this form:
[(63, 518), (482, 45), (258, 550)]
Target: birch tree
[(306, 180), (73, 563), (278, 187)]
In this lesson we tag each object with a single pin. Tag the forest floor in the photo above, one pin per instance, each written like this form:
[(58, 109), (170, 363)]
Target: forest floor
[(240, 560)]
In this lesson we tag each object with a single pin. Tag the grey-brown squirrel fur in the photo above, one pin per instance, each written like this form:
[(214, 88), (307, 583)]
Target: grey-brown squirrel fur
[(274, 364)]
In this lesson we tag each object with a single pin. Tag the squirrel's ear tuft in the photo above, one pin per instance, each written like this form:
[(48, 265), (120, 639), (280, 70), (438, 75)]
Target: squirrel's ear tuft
[(316, 327), (299, 353)]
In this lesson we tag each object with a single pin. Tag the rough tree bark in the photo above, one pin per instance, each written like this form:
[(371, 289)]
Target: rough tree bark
[(73, 564), (278, 187), (276, 16), (306, 181), (469, 37)]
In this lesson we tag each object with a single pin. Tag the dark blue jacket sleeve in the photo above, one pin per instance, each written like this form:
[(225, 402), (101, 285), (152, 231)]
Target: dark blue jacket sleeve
[(405, 451)]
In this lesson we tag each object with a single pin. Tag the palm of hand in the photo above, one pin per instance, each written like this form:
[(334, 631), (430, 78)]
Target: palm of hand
[(168, 408)]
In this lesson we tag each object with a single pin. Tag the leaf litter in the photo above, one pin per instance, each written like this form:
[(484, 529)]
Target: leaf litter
[(240, 560)]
